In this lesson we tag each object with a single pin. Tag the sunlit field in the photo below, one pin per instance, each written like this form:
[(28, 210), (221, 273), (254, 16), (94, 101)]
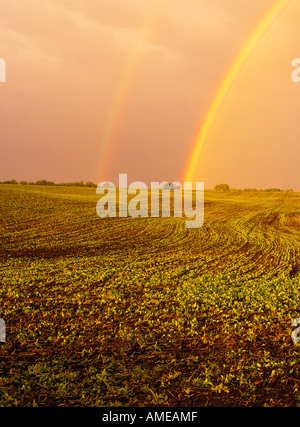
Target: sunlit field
[(143, 312)]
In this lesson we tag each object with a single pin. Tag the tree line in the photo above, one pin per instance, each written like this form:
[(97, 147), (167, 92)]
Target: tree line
[(225, 187), (217, 187), (45, 182)]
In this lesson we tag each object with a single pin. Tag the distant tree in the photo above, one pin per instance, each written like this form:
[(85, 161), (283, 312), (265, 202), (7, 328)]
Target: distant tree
[(44, 182), (23, 182), (66, 184), (221, 187), (90, 184), (10, 181)]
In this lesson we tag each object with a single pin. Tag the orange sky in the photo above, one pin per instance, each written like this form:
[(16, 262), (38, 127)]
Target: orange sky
[(101, 87)]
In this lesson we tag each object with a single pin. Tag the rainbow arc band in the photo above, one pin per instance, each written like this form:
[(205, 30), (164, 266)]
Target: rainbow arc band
[(123, 88), (222, 91)]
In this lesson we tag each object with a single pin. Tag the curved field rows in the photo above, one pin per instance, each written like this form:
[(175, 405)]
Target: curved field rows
[(124, 311)]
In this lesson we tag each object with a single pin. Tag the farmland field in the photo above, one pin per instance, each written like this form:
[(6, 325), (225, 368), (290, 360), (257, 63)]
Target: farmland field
[(143, 312)]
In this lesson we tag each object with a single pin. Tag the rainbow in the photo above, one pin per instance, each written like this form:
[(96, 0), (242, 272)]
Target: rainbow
[(224, 88), (123, 89)]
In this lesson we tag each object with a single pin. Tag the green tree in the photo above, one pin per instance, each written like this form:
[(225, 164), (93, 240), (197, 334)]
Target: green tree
[(10, 181), (221, 187)]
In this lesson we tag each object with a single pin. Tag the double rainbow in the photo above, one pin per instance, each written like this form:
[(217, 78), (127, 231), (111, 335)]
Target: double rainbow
[(125, 83)]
